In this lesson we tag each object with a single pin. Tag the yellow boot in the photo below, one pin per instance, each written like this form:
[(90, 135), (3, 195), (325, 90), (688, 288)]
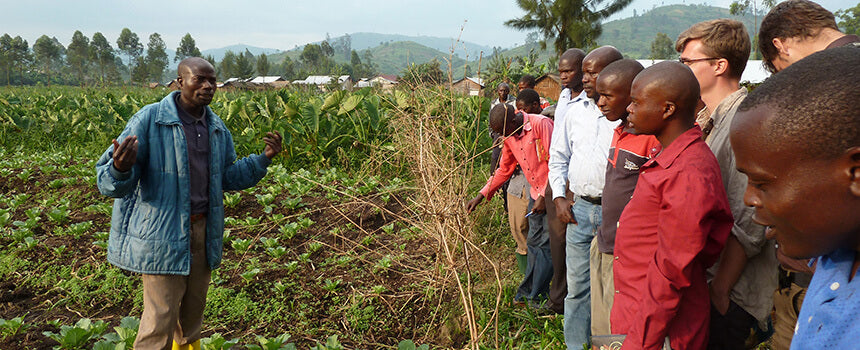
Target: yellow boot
[(193, 346)]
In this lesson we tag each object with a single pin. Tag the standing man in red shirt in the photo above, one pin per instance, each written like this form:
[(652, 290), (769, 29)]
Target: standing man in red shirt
[(526, 143), (676, 223), (627, 153)]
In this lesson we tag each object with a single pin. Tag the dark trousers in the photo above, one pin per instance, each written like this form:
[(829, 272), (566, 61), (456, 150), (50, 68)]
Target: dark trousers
[(730, 331), (557, 247), (535, 285)]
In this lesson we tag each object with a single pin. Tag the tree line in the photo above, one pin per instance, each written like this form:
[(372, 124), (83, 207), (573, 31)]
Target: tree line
[(95, 61)]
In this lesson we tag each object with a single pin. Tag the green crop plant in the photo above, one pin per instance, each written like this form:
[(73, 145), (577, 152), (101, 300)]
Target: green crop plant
[(231, 199), (250, 275), (11, 327), (75, 230), (331, 344), (217, 342), (59, 215), (275, 343), (241, 245), (289, 230), (77, 336), (276, 252), (124, 335)]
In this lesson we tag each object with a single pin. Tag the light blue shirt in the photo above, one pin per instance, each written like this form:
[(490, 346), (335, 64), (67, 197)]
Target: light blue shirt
[(580, 149), (829, 316)]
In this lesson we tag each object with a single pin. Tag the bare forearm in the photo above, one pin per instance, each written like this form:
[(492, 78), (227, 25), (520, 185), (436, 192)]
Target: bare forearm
[(732, 264)]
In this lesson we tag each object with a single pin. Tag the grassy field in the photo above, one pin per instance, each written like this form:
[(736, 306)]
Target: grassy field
[(355, 239)]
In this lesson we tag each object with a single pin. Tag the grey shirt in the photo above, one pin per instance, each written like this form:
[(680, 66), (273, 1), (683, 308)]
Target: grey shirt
[(197, 137), (754, 290)]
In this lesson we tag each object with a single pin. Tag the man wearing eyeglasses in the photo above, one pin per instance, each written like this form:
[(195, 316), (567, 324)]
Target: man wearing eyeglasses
[(742, 282)]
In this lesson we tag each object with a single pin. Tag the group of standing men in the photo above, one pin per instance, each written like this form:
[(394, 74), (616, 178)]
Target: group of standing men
[(637, 209)]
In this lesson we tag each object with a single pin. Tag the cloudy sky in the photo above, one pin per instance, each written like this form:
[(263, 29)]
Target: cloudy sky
[(282, 24)]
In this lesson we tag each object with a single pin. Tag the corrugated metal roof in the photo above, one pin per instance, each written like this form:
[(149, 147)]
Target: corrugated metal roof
[(266, 79), (754, 72), (318, 79)]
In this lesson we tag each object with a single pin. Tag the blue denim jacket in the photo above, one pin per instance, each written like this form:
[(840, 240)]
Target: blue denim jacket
[(150, 224)]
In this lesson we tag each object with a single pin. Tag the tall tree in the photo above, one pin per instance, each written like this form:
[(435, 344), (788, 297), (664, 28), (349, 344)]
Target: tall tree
[(103, 56), (849, 20), (287, 68), (129, 44), (139, 70), (263, 65), (77, 55), (662, 48), (21, 56), (6, 56), (156, 57), (187, 48), (755, 7), (245, 64), (47, 54), (228, 65), (570, 23)]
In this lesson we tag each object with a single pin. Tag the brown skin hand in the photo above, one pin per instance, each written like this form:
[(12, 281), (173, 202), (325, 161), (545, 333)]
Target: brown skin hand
[(125, 153), (562, 210)]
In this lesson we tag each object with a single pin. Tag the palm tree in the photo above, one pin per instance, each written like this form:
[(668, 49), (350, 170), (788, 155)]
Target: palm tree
[(569, 23)]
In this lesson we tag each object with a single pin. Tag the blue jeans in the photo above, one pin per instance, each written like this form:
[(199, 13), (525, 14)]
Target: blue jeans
[(577, 303), (535, 285)]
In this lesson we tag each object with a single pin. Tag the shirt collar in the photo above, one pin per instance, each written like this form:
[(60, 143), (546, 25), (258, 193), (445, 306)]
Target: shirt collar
[(668, 155), (580, 97), (719, 114), (184, 116)]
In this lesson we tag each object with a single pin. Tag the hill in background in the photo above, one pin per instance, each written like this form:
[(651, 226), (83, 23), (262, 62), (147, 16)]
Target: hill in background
[(392, 52)]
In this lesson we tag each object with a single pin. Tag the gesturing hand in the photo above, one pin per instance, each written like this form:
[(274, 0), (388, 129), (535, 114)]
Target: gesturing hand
[(125, 153), (273, 144)]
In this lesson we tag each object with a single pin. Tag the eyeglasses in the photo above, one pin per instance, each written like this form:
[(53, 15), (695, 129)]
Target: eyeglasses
[(690, 61)]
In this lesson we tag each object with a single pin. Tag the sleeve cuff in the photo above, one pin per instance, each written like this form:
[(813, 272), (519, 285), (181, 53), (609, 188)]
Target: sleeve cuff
[(119, 175)]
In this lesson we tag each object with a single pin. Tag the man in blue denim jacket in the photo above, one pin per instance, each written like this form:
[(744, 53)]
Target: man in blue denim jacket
[(168, 174)]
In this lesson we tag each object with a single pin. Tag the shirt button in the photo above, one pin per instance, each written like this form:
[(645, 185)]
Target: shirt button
[(809, 320), (616, 258), (618, 224), (834, 286), (616, 291)]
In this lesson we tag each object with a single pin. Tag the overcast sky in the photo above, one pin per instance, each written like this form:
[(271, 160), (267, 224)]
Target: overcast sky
[(282, 24)]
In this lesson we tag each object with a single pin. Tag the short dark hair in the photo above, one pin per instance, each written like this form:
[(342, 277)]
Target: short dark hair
[(528, 96), (500, 114), (625, 70), (814, 102), (791, 19), (529, 80)]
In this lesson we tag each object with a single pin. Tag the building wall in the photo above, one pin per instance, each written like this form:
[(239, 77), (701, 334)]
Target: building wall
[(548, 88)]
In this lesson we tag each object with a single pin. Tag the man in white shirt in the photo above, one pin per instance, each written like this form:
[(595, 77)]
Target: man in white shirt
[(570, 71), (578, 155)]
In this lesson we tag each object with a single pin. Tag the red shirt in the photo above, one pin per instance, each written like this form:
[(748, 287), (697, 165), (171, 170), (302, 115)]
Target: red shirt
[(627, 153), (673, 229), (530, 149)]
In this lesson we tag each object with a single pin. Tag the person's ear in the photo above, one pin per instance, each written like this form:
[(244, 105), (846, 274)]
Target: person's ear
[(669, 109), (853, 160), (721, 67), (780, 46)]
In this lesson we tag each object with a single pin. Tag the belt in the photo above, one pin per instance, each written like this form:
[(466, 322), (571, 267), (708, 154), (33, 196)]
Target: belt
[(197, 217), (592, 200)]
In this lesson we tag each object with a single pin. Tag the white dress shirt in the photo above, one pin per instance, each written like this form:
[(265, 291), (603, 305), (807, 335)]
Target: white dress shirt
[(580, 149)]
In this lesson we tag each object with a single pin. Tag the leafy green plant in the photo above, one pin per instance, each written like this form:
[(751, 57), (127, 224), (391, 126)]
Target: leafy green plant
[(276, 343), (410, 345), (331, 344), (289, 230), (269, 242), (249, 275), (59, 215), (292, 203), (232, 199), (217, 342), (75, 230), (276, 252), (8, 328), (332, 285), (315, 246), (75, 337), (124, 335), (28, 243), (241, 245)]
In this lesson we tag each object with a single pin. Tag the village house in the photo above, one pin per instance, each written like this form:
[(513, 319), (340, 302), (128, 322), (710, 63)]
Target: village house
[(468, 86)]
